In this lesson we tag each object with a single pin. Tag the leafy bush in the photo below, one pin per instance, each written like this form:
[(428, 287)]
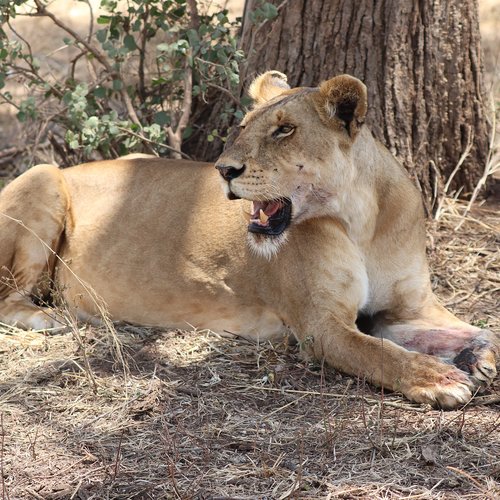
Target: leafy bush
[(145, 60)]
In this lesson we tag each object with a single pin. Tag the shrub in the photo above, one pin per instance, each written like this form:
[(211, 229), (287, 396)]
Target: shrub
[(144, 62)]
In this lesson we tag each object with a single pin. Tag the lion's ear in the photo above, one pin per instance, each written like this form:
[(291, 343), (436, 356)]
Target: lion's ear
[(267, 86), (344, 98)]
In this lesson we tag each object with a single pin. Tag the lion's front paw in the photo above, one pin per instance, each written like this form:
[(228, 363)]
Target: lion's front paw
[(479, 358), (439, 384)]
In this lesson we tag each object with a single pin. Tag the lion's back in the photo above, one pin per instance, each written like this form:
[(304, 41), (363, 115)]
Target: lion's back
[(134, 225)]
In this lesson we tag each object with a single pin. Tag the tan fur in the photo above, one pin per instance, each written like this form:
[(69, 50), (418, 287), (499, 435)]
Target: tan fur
[(158, 241)]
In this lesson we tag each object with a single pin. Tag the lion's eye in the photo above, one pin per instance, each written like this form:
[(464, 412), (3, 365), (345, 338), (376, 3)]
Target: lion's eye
[(283, 130)]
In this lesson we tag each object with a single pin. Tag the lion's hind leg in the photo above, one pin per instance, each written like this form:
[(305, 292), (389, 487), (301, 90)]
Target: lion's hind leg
[(437, 332), (33, 213)]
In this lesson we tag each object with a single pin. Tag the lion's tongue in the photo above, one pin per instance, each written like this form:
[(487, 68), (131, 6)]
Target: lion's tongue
[(263, 210)]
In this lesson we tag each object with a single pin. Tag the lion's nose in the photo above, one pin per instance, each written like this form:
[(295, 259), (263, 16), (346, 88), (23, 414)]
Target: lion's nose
[(229, 173)]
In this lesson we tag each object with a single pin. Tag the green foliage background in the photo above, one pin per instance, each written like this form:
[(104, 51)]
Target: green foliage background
[(148, 59)]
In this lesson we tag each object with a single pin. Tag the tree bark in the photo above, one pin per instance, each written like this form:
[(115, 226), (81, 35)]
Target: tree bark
[(421, 62)]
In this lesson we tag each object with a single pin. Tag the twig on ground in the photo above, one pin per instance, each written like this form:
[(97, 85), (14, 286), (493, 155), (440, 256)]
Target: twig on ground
[(334, 396), (5, 493), (117, 459)]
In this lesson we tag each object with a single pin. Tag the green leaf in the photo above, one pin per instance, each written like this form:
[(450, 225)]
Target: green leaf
[(117, 84), (221, 56), (102, 35), (194, 39), (109, 5), (100, 92), (103, 19), (129, 42), (162, 118), (187, 132), (92, 122), (204, 28), (269, 10)]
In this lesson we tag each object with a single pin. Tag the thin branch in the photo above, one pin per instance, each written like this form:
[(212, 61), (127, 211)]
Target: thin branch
[(29, 61), (21, 38), (142, 54), (72, 63), (130, 107), (91, 21), (8, 100), (195, 16), (117, 460), (225, 91), (9, 152), (162, 145), (188, 98), (465, 154), (5, 492), (97, 54), (175, 136), (470, 143)]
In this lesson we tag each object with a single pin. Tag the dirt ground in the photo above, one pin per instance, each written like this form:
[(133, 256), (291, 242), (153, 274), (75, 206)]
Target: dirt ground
[(197, 416)]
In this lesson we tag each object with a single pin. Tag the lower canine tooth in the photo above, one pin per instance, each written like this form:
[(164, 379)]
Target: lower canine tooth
[(248, 217), (263, 217)]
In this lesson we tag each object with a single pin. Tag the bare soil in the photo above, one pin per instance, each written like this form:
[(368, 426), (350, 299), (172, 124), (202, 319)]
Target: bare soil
[(198, 416)]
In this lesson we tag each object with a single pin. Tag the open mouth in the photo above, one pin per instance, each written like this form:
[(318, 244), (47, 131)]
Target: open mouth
[(270, 218)]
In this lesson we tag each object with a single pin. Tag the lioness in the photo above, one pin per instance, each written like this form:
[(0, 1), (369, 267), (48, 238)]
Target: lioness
[(335, 230)]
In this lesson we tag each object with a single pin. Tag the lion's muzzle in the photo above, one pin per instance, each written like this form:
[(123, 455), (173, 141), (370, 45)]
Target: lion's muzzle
[(229, 173)]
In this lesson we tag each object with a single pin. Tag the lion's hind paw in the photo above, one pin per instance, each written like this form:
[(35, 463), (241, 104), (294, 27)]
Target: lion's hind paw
[(479, 359)]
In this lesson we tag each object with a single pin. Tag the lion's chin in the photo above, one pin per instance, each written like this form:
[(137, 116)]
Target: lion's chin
[(266, 246)]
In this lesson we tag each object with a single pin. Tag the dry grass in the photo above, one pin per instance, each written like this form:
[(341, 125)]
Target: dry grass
[(203, 417)]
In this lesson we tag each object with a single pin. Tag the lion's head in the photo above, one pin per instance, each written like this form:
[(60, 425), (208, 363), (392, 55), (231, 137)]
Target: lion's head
[(292, 157)]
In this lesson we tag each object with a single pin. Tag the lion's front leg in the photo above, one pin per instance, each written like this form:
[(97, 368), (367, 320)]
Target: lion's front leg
[(323, 298), (420, 377)]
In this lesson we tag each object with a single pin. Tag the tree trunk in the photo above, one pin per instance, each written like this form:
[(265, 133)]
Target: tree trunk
[(420, 60)]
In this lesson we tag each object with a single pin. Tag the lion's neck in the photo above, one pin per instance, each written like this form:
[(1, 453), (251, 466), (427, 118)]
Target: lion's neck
[(380, 195), (386, 199), (356, 203), (357, 209)]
